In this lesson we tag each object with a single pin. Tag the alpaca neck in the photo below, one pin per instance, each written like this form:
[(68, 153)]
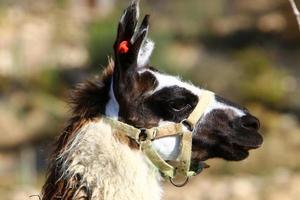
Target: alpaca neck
[(108, 168)]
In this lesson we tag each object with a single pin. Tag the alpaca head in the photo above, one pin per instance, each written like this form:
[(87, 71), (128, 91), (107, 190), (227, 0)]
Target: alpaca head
[(142, 96)]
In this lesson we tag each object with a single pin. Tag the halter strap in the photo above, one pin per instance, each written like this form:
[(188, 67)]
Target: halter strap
[(144, 137), (200, 108)]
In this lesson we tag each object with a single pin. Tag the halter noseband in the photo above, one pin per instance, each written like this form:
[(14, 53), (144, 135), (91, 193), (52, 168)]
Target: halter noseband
[(144, 137)]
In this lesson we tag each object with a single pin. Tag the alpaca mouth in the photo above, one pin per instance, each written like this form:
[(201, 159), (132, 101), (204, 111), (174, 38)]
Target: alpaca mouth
[(253, 141), (247, 147), (198, 166)]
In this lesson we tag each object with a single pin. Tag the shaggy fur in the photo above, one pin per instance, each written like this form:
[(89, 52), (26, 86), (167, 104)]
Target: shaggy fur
[(107, 169), (86, 106), (90, 159)]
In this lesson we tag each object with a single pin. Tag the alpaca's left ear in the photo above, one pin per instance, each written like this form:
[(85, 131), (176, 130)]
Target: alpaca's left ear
[(132, 48)]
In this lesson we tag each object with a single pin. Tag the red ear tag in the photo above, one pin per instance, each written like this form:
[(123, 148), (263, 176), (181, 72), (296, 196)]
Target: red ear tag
[(123, 47)]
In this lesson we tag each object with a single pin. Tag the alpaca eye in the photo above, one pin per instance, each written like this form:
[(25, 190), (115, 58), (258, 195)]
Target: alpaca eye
[(178, 105)]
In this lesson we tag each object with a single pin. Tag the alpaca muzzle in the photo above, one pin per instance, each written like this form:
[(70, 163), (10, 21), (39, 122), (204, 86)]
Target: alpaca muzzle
[(181, 166)]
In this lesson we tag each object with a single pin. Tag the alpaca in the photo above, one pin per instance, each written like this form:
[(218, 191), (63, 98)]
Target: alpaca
[(96, 158)]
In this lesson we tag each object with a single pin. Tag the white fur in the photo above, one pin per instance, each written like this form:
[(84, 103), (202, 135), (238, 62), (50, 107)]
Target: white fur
[(165, 80), (168, 81), (218, 105), (168, 147), (109, 169), (112, 107), (137, 8), (123, 16), (145, 53)]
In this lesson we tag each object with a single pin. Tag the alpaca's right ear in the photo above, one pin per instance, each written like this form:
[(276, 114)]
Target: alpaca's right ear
[(131, 47)]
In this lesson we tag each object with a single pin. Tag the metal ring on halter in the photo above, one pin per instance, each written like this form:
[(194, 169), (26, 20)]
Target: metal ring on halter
[(181, 184)]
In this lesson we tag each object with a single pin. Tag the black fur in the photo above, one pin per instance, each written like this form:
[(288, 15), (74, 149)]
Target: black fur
[(220, 135), (172, 103)]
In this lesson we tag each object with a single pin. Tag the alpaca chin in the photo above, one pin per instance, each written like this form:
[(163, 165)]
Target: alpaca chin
[(108, 168)]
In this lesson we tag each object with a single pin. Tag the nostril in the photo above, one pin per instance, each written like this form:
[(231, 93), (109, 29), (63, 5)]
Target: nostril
[(250, 122)]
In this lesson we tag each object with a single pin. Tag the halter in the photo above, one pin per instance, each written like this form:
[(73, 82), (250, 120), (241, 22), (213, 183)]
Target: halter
[(180, 167)]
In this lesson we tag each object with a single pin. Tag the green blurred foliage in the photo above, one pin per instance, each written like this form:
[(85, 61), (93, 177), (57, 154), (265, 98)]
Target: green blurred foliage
[(48, 82), (101, 38), (260, 81)]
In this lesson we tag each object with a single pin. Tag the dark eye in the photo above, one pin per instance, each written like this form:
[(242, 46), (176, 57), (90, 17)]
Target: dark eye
[(178, 105)]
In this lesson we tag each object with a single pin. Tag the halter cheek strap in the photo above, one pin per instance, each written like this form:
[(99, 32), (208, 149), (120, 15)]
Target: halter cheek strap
[(204, 101), (144, 137)]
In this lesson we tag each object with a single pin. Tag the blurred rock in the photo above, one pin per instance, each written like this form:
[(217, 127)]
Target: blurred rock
[(228, 25), (272, 22), (23, 118), (266, 16), (47, 38)]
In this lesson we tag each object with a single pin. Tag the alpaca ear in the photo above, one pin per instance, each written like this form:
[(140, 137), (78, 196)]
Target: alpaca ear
[(132, 48), (146, 45)]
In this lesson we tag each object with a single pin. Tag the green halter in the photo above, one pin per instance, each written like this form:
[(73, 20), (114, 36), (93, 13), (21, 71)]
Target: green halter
[(145, 137)]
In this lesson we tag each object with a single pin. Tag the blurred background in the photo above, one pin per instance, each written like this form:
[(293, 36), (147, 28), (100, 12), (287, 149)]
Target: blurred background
[(245, 50)]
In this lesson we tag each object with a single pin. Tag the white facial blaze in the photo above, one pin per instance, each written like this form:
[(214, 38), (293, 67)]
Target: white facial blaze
[(169, 81), (168, 147), (222, 106)]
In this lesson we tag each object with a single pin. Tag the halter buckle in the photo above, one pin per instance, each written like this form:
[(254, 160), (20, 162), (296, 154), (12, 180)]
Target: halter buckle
[(147, 134), (142, 135)]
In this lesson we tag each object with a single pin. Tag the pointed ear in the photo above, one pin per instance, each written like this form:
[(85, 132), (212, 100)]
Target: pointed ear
[(131, 47), (146, 46)]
